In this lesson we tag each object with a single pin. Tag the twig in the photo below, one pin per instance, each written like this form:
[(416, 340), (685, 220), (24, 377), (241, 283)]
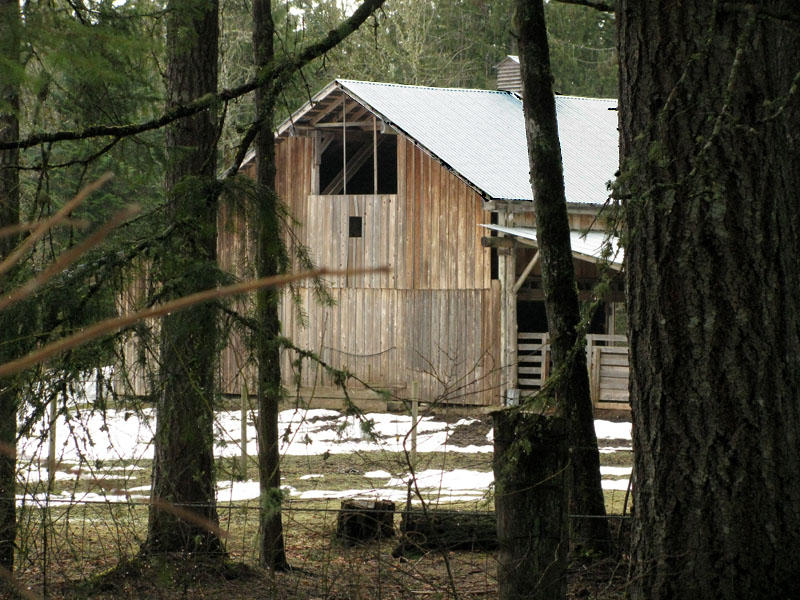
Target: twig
[(67, 258), (109, 325), (46, 224), (22, 227)]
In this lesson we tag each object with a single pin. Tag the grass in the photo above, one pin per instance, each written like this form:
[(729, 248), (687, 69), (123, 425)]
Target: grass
[(84, 541)]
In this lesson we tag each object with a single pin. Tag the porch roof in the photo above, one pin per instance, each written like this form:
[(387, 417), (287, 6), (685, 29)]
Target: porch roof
[(589, 245)]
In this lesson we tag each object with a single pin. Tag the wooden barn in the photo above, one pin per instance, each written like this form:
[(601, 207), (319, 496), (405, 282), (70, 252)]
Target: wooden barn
[(432, 183)]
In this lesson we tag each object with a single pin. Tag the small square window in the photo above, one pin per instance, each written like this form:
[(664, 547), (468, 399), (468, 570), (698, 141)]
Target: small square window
[(355, 227)]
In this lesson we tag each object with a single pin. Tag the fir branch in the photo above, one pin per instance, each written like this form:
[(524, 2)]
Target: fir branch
[(110, 325), (45, 225), (67, 258), (279, 72)]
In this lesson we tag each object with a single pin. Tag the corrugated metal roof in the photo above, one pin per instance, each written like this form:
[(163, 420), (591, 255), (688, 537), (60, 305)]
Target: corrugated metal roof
[(589, 244), (481, 135)]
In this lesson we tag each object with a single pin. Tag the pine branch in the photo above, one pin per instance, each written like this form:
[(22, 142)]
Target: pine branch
[(279, 72)]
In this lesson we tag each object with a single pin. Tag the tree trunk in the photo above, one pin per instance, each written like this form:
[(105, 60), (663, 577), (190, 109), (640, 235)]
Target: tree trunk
[(9, 216), (183, 466), (531, 505), (268, 263), (573, 397), (709, 114)]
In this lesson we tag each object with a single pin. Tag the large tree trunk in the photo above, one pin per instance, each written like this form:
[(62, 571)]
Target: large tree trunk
[(710, 114), (183, 466), (9, 216), (558, 280), (266, 343)]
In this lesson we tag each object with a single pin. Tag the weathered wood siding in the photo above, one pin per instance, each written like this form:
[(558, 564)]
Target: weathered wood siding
[(444, 340), (432, 318), (509, 76)]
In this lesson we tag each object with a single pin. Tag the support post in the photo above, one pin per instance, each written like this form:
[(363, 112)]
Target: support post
[(51, 439), (508, 312), (530, 472), (245, 405), (414, 419)]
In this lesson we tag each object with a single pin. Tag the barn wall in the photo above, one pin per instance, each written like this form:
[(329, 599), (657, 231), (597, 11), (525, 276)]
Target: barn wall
[(427, 233), (432, 318)]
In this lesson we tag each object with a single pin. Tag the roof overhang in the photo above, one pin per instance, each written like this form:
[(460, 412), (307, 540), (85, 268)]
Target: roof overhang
[(592, 246)]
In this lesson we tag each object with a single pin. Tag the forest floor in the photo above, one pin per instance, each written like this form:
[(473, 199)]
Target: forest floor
[(96, 516)]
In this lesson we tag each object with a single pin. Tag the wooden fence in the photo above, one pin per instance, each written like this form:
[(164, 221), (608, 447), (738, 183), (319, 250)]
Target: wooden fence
[(607, 359)]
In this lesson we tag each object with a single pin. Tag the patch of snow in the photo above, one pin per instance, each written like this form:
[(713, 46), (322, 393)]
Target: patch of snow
[(455, 480), (612, 431), (231, 491), (378, 474), (312, 476), (616, 470)]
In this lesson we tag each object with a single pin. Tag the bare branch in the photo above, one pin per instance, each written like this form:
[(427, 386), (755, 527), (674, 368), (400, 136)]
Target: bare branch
[(23, 227), (109, 325), (67, 258), (279, 73), (46, 224)]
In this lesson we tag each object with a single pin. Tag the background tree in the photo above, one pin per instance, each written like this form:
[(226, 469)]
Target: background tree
[(572, 394), (270, 260), (583, 55), (183, 462), (10, 25), (709, 114)]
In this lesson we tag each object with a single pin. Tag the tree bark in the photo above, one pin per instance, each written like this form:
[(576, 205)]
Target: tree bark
[(709, 115), (183, 466), (266, 344), (531, 505), (10, 25), (572, 392)]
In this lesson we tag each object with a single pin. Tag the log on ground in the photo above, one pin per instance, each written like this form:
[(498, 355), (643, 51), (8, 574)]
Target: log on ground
[(447, 530)]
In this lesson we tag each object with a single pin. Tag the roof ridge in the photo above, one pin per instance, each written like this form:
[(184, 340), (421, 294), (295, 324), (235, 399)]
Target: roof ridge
[(587, 98), (425, 87)]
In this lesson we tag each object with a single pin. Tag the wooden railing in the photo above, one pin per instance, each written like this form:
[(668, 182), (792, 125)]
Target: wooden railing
[(607, 359)]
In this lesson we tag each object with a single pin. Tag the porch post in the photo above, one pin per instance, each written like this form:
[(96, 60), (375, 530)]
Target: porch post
[(507, 268)]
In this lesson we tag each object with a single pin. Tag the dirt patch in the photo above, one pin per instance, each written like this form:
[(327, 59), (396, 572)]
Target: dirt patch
[(473, 434)]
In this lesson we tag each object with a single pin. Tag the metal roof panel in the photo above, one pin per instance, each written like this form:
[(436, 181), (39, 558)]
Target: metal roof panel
[(480, 134)]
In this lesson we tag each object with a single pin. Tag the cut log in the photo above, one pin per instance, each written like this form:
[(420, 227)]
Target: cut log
[(446, 530), (364, 520)]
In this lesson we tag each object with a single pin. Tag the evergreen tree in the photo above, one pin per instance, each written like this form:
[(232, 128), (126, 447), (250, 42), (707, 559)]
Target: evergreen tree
[(10, 25), (572, 394), (709, 114), (183, 464)]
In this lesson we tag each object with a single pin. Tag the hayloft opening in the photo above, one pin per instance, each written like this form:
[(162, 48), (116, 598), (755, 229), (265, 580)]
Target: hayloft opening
[(355, 171)]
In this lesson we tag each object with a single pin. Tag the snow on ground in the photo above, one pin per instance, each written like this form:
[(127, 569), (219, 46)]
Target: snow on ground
[(92, 438), (378, 475), (612, 431), (616, 470)]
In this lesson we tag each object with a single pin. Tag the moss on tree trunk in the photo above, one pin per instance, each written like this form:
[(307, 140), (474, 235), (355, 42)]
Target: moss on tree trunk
[(572, 391), (709, 114), (183, 515)]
